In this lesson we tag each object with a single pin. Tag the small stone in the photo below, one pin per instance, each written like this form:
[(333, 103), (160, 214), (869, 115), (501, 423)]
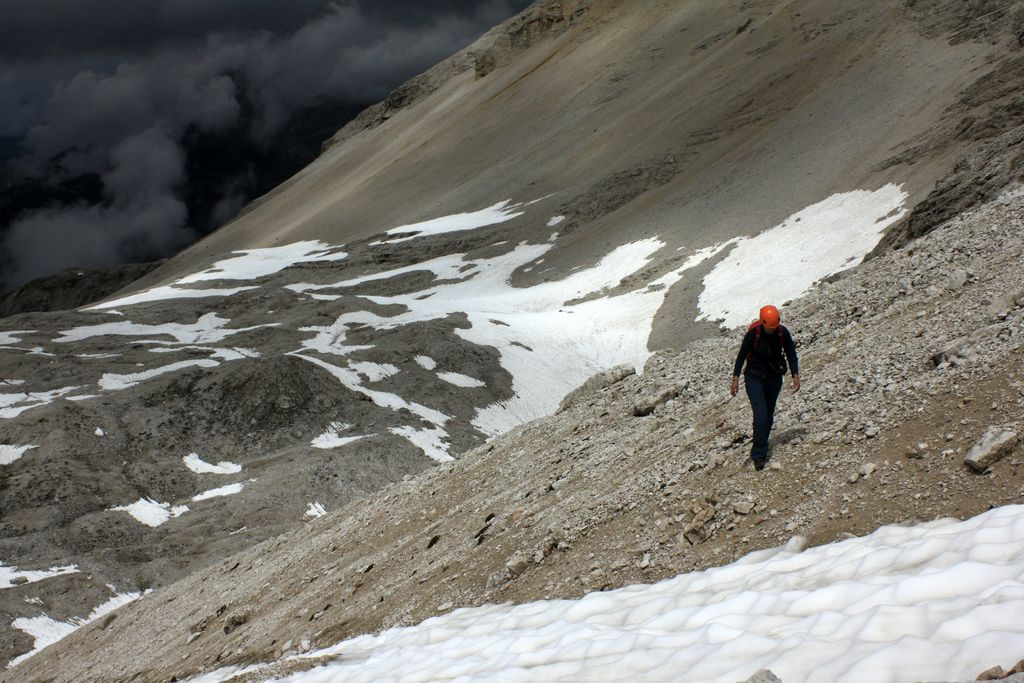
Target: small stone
[(646, 561), (497, 579), (871, 431), (852, 479), (744, 507), (19, 580), (821, 437), (775, 466), (866, 469), (517, 564), (956, 279), (192, 638), (444, 607)]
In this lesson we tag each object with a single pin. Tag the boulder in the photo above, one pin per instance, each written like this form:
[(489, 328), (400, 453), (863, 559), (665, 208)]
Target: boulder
[(597, 382), (995, 444), (646, 406)]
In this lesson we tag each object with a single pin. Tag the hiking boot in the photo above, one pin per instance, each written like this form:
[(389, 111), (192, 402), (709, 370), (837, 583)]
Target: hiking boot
[(758, 464)]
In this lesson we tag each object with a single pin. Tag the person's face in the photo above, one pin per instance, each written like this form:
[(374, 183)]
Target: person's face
[(770, 329)]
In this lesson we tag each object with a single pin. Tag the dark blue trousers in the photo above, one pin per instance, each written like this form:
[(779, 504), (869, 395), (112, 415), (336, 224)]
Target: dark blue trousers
[(763, 393)]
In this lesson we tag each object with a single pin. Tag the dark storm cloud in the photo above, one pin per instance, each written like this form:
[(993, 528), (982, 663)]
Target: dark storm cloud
[(89, 83), (143, 221)]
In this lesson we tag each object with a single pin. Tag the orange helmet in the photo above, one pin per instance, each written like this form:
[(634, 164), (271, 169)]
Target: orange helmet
[(770, 316)]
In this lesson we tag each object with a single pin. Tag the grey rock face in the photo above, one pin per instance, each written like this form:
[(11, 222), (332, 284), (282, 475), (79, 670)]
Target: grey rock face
[(763, 676)]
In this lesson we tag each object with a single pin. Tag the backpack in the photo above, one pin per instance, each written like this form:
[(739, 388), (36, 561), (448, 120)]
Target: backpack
[(756, 327)]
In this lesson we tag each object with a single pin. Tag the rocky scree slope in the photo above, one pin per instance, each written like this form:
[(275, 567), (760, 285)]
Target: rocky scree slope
[(907, 361)]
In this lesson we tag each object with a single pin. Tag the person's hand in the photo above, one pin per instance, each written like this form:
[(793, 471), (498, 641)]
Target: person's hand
[(796, 383), (734, 386)]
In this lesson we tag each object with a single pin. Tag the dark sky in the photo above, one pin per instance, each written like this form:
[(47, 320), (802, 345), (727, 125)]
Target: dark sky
[(109, 87)]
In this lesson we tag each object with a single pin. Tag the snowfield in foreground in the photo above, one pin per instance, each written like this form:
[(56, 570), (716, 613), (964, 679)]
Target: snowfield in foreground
[(938, 601)]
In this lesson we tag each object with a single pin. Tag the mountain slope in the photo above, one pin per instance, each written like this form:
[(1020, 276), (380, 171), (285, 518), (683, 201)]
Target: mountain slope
[(584, 185), (596, 497)]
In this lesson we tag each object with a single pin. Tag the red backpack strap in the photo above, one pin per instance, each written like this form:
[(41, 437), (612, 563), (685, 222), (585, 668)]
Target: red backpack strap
[(755, 327)]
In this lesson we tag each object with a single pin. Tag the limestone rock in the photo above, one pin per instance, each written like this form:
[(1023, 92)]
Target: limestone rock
[(517, 564), (743, 507), (697, 530), (597, 382), (646, 406), (993, 446), (994, 674), (763, 676)]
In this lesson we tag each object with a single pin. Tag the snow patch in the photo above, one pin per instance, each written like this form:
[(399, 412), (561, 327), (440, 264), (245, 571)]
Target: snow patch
[(784, 262), (99, 432), (429, 440), (197, 465), (331, 438), (9, 454), (315, 510), (373, 372), (46, 631), (930, 602), (150, 512), (112, 382), (12, 405), (168, 292), (13, 336), (8, 575), (223, 354), (549, 347), (460, 380), (229, 490), (351, 379), (208, 329), (459, 222), (426, 362), (249, 264), (555, 220)]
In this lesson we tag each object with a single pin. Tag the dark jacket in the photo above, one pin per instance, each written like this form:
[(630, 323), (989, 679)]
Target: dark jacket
[(767, 358)]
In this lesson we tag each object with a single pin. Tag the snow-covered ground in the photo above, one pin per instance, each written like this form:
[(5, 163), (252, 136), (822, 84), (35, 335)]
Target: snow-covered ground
[(938, 601)]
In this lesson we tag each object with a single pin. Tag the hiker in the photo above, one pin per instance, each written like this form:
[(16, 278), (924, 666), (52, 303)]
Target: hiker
[(765, 349)]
